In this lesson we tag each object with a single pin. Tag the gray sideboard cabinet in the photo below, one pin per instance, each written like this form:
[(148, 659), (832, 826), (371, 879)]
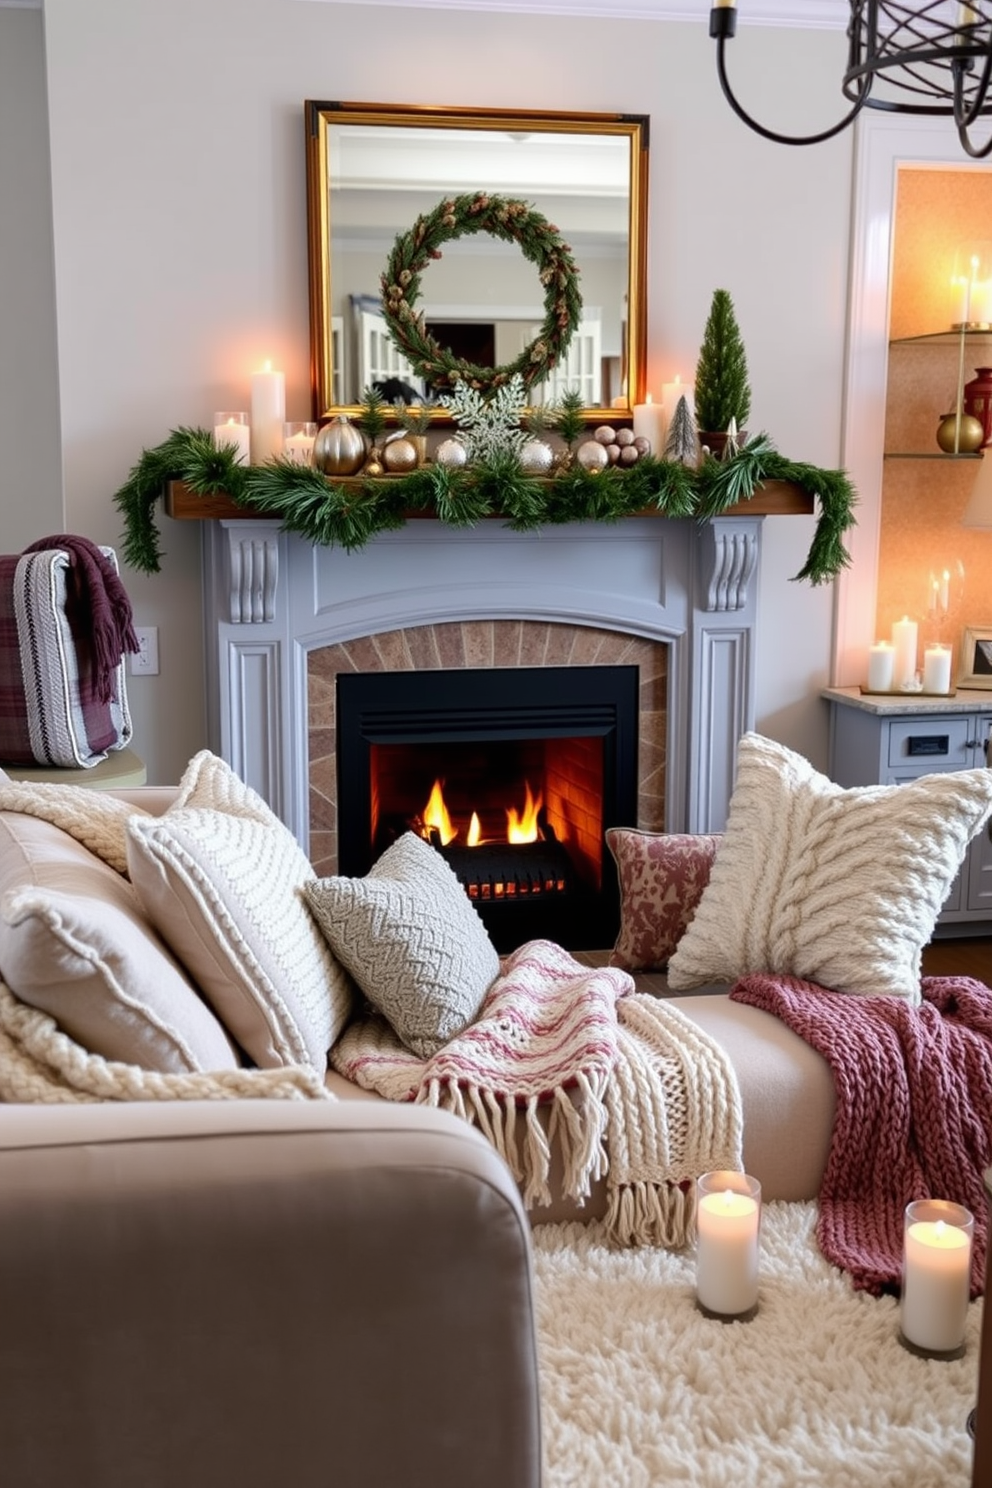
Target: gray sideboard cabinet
[(880, 739)]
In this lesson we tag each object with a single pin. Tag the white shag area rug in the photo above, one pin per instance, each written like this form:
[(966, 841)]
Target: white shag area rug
[(638, 1388)]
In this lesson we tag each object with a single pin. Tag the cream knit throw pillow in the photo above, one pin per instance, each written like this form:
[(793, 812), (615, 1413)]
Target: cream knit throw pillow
[(841, 887)]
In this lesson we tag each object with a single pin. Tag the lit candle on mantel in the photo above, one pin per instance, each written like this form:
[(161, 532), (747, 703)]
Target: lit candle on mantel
[(231, 429), (936, 1280), (268, 414), (649, 423), (727, 1225)]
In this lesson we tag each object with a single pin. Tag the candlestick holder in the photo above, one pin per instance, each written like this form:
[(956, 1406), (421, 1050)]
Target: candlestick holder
[(936, 1278), (728, 1224)]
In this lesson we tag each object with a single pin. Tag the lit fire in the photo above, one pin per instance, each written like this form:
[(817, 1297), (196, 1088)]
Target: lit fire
[(520, 826)]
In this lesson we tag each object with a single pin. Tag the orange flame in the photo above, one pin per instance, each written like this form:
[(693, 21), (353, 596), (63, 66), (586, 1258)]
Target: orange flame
[(436, 815), (523, 828), (474, 831)]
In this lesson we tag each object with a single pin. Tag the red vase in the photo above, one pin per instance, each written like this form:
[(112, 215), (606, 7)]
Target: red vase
[(978, 401)]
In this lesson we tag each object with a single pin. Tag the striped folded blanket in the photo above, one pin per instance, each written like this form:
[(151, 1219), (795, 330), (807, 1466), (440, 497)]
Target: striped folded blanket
[(629, 1089), (65, 625)]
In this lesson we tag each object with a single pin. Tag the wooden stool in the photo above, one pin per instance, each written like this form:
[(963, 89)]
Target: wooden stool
[(119, 771)]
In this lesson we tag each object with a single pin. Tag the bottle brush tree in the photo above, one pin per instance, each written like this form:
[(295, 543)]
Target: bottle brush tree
[(722, 389)]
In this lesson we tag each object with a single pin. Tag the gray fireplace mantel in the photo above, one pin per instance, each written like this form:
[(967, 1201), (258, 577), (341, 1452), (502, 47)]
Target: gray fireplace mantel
[(272, 597)]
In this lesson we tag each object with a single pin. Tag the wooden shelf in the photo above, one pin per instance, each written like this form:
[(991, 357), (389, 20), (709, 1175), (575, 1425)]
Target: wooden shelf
[(773, 499)]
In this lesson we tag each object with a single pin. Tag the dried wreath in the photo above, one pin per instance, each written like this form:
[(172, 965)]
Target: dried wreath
[(505, 218)]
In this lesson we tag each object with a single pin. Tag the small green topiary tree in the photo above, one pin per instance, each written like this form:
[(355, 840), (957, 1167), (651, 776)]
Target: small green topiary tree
[(722, 389)]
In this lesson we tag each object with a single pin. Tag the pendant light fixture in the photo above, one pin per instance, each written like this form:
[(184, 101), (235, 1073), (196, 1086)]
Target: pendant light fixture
[(934, 58)]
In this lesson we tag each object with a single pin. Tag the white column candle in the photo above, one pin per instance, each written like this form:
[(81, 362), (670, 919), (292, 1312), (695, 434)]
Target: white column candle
[(232, 429), (727, 1225), (881, 660), (649, 423), (936, 1278), (268, 413), (671, 392), (904, 641), (298, 442), (937, 669)]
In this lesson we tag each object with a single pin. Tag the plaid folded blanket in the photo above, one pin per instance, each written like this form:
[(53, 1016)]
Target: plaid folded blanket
[(65, 624)]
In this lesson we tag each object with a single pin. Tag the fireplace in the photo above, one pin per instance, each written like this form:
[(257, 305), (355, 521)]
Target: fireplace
[(512, 774), (678, 599)]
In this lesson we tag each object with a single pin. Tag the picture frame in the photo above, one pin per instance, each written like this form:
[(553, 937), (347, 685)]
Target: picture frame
[(976, 657)]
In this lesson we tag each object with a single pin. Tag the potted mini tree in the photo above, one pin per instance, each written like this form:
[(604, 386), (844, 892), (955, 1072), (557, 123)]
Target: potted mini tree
[(722, 390)]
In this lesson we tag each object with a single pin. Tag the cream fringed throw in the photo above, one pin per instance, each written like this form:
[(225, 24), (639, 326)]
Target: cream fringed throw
[(655, 1100), (40, 1063)]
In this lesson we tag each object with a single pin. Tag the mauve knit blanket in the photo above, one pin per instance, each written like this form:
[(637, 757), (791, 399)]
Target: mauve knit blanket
[(913, 1117)]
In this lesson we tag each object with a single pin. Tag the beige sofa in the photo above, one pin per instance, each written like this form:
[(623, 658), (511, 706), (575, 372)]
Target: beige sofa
[(256, 1292)]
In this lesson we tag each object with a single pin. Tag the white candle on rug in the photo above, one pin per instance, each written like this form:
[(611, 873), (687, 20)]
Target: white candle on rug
[(936, 1282), (268, 413), (728, 1213)]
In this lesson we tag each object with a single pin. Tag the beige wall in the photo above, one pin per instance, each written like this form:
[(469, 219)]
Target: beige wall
[(31, 470), (180, 258)]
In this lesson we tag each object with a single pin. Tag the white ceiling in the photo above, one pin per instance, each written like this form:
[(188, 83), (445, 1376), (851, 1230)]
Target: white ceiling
[(820, 14)]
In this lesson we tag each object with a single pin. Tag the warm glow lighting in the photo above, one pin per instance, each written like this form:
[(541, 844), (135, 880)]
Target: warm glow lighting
[(978, 512), (436, 816), (474, 831), (523, 827)]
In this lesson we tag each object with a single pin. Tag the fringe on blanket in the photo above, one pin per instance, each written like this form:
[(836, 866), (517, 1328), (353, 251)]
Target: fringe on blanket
[(575, 1128), (41, 1064)]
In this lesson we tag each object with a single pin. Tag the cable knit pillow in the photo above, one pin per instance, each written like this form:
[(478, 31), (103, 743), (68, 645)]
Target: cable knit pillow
[(412, 940), (221, 878), (841, 887), (662, 875)]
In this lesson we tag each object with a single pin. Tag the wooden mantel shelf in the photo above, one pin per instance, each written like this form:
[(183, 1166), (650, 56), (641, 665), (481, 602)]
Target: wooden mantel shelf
[(773, 499)]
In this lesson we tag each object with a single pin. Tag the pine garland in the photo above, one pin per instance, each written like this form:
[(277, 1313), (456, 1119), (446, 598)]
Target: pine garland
[(349, 514), (515, 222)]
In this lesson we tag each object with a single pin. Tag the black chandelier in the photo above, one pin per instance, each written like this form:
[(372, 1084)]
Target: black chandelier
[(934, 58)]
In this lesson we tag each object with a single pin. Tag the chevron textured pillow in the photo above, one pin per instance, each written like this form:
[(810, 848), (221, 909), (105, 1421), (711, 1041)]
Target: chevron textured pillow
[(413, 941), (838, 886)]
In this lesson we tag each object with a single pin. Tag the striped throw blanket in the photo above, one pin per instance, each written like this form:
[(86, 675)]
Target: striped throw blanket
[(628, 1088), (914, 1111), (65, 624)]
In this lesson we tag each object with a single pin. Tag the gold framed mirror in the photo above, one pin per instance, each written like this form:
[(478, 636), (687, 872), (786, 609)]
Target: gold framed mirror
[(373, 169)]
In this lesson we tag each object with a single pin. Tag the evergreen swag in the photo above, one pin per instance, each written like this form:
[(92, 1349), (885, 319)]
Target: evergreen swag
[(349, 513)]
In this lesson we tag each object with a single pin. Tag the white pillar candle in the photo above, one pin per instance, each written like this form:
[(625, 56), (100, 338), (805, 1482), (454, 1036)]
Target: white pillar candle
[(936, 1275), (268, 413), (881, 660), (937, 669), (671, 392), (232, 429), (649, 423), (727, 1226), (904, 641)]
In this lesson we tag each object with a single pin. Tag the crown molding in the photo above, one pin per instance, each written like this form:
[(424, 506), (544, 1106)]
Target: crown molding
[(831, 15)]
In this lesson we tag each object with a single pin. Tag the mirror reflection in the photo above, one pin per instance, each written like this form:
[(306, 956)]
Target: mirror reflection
[(373, 170)]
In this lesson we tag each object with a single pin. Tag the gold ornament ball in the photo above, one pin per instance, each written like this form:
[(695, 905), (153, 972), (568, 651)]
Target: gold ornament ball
[(452, 454), (592, 456), (400, 454), (536, 457), (970, 439)]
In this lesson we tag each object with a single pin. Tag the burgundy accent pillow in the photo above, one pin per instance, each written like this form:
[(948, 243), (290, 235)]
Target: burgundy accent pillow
[(662, 878)]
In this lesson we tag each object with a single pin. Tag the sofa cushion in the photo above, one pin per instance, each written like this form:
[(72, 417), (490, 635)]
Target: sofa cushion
[(74, 944), (839, 886), (662, 876), (222, 879), (413, 941)]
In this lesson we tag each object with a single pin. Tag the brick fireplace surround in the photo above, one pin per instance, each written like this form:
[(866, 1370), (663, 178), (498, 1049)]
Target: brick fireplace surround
[(677, 598)]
